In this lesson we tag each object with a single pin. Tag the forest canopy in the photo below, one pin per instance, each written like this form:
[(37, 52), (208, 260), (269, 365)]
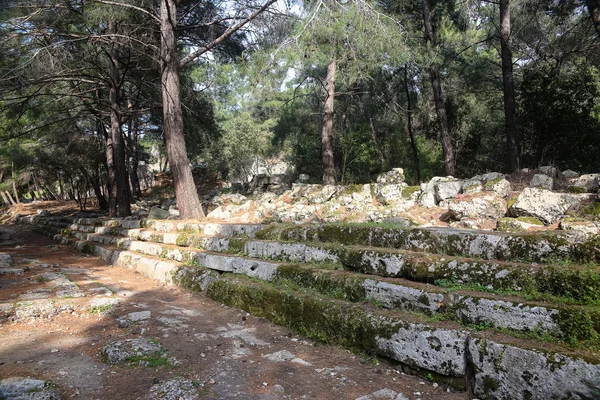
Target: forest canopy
[(342, 90)]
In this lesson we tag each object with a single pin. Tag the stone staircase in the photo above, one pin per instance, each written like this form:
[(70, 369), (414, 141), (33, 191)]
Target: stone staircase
[(505, 316)]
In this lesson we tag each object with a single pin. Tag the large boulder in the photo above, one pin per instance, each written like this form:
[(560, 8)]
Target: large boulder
[(585, 183), (439, 188), (549, 171), (500, 186), (490, 176), (395, 176), (543, 204), (542, 181), (569, 174), (486, 206)]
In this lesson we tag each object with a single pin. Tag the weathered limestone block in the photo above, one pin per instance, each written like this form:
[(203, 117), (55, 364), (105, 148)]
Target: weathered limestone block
[(253, 268), (549, 171), (395, 176), (542, 181), (587, 182), (437, 350), (579, 225), (500, 186), (471, 186), (505, 314), (569, 174), (507, 372), (447, 190), (485, 206), (490, 176), (543, 204), (402, 297)]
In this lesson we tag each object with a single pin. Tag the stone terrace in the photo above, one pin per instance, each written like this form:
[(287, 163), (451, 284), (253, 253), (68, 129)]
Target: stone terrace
[(506, 316)]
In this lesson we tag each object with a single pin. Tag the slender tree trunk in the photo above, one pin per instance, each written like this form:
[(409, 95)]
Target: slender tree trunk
[(110, 169), (413, 144), (594, 9), (4, 198), (53, 196), (508, 83), (438, 95), (118, 145), (327, 128), (188, 202), (133, 173), (12, 201), (14, 183)]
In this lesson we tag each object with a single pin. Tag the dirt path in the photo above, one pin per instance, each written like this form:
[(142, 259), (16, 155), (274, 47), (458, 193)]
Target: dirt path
[(64, 313)]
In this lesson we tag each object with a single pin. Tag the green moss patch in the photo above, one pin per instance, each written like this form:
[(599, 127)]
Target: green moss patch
[(317, 317)]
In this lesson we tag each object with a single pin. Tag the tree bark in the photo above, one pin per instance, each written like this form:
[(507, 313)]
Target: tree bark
[(413, 144), (110, 169), (12, 201), (508, 84), (4, 198), (327, 128), (14, 183), (134, 155), (438, 95), (188, 202), (594, 9), (118, 144)]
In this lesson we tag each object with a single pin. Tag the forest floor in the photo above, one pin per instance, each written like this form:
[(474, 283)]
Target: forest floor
[(224, 352)]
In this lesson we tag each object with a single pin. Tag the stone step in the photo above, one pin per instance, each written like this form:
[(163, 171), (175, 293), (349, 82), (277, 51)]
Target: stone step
[(477, 309), (492, 367), (251, 267), (152, 267), (136, 227), (581, 283), (527, 247)]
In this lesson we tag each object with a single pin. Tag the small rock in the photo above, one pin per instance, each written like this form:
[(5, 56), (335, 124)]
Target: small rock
[(26, 388), (279, 356), (174, 389), (122, 351)]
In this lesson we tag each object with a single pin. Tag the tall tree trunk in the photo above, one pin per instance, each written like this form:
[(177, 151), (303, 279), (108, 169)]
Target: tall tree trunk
[(14, 183), (413, 144), (133, 171), (508, 84), (594, 9), (118, 144), (438, 95), (188, 202), (327, 128), (110, 169)]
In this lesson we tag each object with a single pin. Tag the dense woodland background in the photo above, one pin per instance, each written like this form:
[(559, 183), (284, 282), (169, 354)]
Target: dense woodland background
[(343, 90)]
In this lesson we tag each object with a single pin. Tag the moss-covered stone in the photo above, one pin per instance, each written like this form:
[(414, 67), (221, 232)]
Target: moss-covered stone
[(577, 189), (183, 239), (314, 316), (330, 283), (236, 245), (408, 191)]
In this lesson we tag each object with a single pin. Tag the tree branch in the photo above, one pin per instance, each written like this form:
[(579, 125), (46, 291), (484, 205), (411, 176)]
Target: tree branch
[(192, 56)]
